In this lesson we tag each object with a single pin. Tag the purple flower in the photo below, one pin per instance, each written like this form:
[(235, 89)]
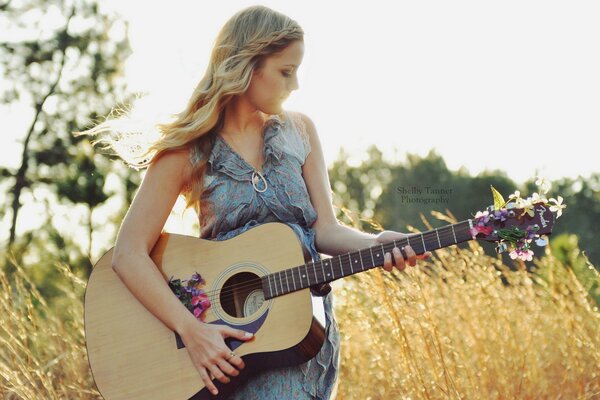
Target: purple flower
[(191, 295), (501, 215), (196, 278)]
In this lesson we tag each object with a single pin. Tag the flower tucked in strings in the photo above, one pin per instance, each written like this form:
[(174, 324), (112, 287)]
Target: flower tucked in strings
[(191, 294), (516, 240)]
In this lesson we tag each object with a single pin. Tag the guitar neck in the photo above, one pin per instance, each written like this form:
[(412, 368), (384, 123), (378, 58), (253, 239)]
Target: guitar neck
[(330, 269)]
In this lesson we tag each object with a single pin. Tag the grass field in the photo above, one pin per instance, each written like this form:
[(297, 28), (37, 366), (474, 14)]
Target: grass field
[(460, 326)]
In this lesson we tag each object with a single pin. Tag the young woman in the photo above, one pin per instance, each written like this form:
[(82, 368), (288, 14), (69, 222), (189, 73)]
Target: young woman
[(241, 160)]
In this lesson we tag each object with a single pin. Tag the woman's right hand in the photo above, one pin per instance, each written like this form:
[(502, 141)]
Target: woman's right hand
[(206, 345)]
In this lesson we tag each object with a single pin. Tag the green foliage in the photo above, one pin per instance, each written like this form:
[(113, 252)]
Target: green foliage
[(565, 247), (582, 215), (69, 72), (418, 186)]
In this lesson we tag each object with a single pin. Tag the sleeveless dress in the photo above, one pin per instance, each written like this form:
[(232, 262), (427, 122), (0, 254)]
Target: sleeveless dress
[(230, 205)]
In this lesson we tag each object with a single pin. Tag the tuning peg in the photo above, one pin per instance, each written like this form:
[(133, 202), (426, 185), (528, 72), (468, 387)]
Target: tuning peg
[(501, 248)]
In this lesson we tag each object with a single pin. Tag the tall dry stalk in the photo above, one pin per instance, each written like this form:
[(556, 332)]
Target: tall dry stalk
[(42, 351), (461, 326), (452, 328)]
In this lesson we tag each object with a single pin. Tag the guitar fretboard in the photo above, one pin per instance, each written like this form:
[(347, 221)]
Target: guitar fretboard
[(330, 269)]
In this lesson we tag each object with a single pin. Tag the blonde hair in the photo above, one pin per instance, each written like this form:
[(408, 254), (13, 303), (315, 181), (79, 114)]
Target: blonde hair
[(242, 45)]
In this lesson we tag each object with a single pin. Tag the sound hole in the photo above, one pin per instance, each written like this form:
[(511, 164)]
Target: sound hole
[(242, 295)]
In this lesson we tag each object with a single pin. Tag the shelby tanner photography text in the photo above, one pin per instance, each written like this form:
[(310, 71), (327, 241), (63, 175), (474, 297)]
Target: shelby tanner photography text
[(425, 195)]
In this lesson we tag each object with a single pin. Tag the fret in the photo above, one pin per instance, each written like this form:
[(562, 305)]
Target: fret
[(323, 271), (281, 281), (270, 288), (330, 268), (438, 238), (372, 259), (277, 287), (354, 262), (423, 240), (338, 260), (293, 280), (362, 266), (381, 255), (299, 277), (315, 271), (349, 259), (306, 275), (454, 234)]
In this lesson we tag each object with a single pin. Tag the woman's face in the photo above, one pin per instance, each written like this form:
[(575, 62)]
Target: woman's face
[(276, 79)]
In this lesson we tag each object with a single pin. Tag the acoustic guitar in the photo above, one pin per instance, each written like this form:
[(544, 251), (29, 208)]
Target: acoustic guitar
[(257, 282)]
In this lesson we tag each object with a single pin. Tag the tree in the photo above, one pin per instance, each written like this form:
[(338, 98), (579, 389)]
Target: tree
[(69, 74)]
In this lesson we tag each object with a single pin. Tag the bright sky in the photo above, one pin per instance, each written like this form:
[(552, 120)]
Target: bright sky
[(511, 86)]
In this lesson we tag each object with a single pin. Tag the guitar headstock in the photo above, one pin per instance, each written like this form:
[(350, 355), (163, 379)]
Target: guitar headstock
[(514, 224)]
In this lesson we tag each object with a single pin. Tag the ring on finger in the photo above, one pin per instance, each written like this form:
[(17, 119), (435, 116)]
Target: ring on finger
[(231, 355)]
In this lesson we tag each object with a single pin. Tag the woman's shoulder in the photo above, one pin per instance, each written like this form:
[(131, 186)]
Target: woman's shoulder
[(177, 163), (303, 123)]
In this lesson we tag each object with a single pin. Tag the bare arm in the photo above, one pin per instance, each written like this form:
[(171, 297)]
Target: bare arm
[(139, 232), (330, 236)]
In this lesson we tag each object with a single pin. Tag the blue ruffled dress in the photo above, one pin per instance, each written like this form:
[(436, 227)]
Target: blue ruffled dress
[(231, 206)]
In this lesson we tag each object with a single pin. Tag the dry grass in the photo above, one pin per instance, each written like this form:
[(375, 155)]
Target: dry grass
[(449, 328), (42, 348)]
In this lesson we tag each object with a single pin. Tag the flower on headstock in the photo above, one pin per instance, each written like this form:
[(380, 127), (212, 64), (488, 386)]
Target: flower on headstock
[(517, 241), (543, 184), (525, 255), (481, 218), (558, 205)]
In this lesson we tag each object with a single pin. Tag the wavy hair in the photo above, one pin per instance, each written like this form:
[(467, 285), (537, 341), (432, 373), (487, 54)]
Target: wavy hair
[(242, 45)]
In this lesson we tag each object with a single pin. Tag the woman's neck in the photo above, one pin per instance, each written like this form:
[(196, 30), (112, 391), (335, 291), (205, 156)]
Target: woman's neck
[(242, 119)]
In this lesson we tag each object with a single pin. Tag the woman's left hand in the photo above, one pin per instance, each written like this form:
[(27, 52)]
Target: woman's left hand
[(398, 260)]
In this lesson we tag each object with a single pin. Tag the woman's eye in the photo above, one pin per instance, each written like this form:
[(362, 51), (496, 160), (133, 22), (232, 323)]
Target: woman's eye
[(286, 74)]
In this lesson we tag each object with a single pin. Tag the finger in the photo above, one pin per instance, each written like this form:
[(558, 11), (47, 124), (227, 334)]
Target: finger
[(387, 262), (236, 333), (411, 255), (217, 373), (424, 256), (225, 365), (399, 259), (237, 361), (207, 381)]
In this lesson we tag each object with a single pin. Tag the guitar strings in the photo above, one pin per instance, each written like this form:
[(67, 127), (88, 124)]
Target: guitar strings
[(228, 293), (252, 282)]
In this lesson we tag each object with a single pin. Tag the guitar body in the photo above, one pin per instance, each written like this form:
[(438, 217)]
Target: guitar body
[(135, 356)]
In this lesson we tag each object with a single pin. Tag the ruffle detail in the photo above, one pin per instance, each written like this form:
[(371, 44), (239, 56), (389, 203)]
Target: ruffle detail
[(225, 159), (302, 205)]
